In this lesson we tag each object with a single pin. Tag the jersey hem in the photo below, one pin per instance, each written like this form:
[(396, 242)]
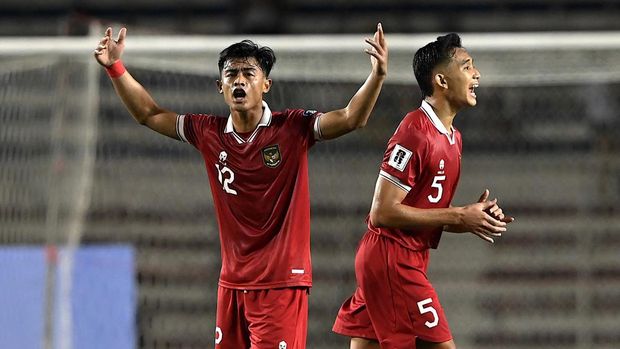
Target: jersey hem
[(401, 243), (435, 339), (341, 330), (264, 286)]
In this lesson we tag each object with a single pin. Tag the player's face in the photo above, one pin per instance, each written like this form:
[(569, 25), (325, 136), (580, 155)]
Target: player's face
[(243, 83), (463, 78)]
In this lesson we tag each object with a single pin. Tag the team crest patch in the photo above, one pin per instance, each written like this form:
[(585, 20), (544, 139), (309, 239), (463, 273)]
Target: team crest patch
[(271, 156)]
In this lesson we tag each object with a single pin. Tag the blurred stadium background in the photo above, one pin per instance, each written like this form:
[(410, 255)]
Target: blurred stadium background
[(76, 172)]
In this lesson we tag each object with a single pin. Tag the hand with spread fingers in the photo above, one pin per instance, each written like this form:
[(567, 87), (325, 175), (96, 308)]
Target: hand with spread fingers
[(355, 115), (378, 52), (110, 50)]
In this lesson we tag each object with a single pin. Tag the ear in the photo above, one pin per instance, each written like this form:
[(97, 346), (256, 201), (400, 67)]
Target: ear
[(440, 80), (218, 83), (267, 85)]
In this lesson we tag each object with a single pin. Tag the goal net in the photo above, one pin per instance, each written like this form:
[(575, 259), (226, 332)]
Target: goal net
[(78, 171)]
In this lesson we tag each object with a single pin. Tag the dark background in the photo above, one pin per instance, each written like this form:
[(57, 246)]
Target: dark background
[(71, 17)]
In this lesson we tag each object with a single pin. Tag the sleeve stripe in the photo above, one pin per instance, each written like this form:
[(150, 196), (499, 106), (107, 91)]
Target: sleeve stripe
[(317, 128), (180, 128), (394, 181)]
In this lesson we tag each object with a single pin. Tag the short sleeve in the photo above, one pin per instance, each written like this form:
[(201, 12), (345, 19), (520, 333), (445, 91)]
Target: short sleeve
[(308, 122), (191, 128), (402, 160)]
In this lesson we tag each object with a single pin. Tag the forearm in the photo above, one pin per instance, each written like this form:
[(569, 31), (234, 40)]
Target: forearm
[(136, 99), (361, 104), (405, 217), (355, 115)]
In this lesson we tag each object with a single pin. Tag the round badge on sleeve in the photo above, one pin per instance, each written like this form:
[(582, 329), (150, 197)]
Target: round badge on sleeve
[(309, 112)]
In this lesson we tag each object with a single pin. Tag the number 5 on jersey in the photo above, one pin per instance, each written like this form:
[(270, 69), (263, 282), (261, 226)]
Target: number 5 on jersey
[(428, 309), (437, 185)]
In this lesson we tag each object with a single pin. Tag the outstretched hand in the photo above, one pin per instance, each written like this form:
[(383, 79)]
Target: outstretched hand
[(109, 50), (378, 52)]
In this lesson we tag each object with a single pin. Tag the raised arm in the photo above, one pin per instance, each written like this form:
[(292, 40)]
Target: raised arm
[(137, 100), (481, 218), (355, 115)]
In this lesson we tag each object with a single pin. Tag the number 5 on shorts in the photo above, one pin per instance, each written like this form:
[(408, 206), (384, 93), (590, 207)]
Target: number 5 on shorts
[(429, 309)]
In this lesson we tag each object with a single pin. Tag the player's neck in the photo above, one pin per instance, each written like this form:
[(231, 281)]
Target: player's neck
[(246, 121), (444, 111)]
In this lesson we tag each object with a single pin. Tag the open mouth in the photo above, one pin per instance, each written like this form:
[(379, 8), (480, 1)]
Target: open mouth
[(472, 90), (238, 93)]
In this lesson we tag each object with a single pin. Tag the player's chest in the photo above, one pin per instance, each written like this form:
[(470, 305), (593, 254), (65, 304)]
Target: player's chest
[(252, 163), (445, 159), (438, 177)]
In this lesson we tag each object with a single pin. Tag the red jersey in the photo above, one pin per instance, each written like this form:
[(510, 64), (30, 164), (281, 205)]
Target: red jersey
[(424, 159), (260, 189)]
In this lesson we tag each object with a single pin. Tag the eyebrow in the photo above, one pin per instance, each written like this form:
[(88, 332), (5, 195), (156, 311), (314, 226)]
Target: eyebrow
[(232, 69), (467, 60)]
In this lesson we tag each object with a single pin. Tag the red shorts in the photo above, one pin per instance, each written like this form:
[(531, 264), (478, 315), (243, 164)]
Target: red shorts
[(394, 302), (257, 319)]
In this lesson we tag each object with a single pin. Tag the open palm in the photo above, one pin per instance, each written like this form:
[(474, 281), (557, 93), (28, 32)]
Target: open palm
[(109, 50)]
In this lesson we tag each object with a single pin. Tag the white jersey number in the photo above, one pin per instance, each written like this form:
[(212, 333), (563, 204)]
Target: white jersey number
[(429, 309), (226, 176), (437, 184)]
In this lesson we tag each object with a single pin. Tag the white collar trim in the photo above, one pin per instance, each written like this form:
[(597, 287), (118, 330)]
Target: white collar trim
[(265, 120), (428, 110)]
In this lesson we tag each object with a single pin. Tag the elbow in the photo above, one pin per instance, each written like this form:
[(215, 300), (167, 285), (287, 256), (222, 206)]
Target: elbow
[(143, 116), (357, 123), (141, 120), (140, 116), (378, 218), (360, 124), (355, 118)]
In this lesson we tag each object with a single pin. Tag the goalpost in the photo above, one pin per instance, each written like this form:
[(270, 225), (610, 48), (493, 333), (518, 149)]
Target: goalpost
[(76, 170)]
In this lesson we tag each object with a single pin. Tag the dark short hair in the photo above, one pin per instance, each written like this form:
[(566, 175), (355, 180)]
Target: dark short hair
[(246, 49), (434, 54)]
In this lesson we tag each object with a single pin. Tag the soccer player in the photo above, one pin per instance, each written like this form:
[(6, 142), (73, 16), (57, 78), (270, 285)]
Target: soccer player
[(256, 161), (395, 305)]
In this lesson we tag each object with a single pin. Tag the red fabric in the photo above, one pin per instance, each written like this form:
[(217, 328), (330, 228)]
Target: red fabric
[(429, 165), (393, 300), (261, 319), (260, 189)]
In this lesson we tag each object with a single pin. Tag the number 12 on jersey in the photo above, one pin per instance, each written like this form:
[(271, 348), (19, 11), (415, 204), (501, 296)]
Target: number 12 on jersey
[(226, 176)]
